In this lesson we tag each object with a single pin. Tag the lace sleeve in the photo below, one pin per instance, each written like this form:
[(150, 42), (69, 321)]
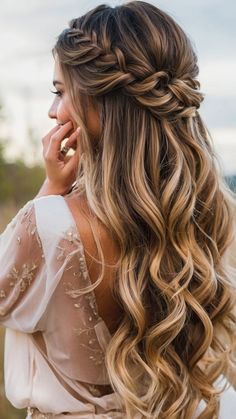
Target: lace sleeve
[(21, 265)]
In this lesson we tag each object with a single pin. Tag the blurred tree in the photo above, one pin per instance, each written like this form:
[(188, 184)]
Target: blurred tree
[(18, 181), (34, 146)]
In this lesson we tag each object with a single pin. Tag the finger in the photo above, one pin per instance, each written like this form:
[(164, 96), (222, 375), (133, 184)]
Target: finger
[(72, 141), (47, 137), (57, 138), (63, 130), (67, 159), (73, 161)]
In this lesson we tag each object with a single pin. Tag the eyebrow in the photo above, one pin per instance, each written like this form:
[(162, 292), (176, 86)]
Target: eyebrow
[(56, 82)]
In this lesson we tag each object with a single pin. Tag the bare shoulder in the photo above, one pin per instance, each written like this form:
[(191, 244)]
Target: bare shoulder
[(87, 223)]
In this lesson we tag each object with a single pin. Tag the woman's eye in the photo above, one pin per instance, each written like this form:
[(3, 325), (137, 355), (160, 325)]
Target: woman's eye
[(57, 92)]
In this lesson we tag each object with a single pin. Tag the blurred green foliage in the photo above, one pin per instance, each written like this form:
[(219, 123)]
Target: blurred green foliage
[(18, 182)]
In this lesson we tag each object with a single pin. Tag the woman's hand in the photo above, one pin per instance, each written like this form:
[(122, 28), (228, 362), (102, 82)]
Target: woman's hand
[(61, 170)]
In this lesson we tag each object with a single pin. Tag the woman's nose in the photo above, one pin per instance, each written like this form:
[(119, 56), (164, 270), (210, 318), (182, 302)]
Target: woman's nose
[(52, 113)]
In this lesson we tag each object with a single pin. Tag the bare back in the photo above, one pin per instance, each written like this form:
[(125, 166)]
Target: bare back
[(108, 308)]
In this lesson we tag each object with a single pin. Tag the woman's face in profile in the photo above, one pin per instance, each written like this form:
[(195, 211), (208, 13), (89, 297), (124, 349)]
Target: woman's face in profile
[(61, 109)]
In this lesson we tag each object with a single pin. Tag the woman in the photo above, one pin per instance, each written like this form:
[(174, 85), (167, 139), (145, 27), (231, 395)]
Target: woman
[(116, 289)]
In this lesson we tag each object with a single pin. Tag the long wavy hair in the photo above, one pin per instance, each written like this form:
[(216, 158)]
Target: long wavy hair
[(153, 178)]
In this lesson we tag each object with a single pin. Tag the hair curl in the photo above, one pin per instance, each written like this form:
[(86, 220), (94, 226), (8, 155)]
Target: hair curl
[(154, 180)]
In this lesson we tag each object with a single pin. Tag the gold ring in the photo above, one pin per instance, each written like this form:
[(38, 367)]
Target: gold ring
[(65, 149)]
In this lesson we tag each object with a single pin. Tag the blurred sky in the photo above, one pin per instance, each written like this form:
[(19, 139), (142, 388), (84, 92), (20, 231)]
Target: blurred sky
[(28, 31)]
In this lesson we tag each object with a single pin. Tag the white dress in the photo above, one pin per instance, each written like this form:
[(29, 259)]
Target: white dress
[(55, 338)]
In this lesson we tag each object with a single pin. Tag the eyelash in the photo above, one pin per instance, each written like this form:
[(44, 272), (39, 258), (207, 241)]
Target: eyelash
[(58, 93)]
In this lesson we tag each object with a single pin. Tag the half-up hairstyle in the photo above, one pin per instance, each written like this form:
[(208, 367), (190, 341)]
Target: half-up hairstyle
[(153, 178)]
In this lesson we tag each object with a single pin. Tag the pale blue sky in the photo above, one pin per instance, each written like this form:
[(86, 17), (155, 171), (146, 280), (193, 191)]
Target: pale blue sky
[(28, 30)]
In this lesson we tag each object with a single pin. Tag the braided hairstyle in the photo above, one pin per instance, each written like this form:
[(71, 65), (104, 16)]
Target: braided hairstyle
[(153, 178), (163, 84)]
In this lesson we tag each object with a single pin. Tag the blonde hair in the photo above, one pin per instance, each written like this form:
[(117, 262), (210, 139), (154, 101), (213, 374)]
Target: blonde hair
[(153, 178)]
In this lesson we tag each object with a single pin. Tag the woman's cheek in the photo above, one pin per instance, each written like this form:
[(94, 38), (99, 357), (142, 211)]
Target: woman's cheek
[(62, 113)]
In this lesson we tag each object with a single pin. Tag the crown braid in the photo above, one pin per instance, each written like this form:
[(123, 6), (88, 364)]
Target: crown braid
[(164, 96)]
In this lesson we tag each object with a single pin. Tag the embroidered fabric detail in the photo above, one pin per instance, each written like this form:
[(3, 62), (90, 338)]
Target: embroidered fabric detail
[(34, 413), (19, 267), (22, 278), (77, 280)]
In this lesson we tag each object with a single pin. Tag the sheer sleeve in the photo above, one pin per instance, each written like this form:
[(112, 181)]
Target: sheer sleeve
[(21, 271), (45, 287)]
